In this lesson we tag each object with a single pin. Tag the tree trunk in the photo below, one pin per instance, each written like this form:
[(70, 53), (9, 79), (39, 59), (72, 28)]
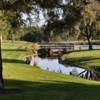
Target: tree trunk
[(90, 44), (1, 66), (13, 38)]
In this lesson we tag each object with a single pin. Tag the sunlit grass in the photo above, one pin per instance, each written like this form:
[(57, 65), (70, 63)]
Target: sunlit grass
[(86, 59)]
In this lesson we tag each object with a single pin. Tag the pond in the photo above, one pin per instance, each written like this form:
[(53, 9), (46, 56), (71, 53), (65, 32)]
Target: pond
[(53, 65)]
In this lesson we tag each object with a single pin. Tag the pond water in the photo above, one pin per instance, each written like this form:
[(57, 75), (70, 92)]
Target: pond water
[(53, 65)]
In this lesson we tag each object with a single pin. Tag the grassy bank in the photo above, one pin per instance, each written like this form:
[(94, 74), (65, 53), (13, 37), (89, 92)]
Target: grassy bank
[(94, 42), (32, 83), (85, 59), (80, 42)]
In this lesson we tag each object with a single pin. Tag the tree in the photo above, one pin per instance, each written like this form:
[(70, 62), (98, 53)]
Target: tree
[(11, 14), (7, 9), (89, 24), (71, 15), (4, 27), (12, 10), (32, 34), (79, 16)]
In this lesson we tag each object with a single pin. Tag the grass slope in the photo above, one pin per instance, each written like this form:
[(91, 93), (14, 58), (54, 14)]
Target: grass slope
[(85, 59), (36, 84)]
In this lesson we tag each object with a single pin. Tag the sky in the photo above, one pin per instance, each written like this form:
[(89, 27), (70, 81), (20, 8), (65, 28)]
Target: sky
[(35, 22), (42, 20)]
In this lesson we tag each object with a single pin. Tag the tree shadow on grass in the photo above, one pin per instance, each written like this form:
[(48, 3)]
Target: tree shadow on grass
[(80, 62), (13, 50), (53, 90), (13, 61)]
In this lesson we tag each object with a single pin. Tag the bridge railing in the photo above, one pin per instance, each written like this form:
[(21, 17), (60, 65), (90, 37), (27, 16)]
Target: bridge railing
[(56, 46)]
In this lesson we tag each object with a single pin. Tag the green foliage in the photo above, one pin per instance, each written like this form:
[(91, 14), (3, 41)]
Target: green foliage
[(32, 34), (71, 16), (4, 25)]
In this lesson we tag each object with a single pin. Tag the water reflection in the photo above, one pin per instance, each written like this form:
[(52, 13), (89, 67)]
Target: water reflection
[(53, 65)]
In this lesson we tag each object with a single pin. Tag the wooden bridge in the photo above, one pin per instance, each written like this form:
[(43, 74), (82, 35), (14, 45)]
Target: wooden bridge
[(59, 46), (57, 49)]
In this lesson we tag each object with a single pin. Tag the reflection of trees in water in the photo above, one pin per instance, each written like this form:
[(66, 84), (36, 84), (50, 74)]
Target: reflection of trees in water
[(74, 72), (59, 70), (34, 61), (89, 75), (47, 68), (84, 74)]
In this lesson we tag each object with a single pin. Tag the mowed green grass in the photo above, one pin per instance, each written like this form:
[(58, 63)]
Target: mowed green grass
[(85, 59), (36, 84)]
